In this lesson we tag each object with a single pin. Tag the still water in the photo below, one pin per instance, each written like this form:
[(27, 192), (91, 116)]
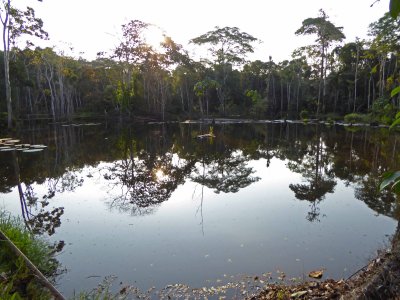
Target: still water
[(154, 205)]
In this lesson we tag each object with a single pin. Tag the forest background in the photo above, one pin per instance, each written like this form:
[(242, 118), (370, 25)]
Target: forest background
[(326, 79)]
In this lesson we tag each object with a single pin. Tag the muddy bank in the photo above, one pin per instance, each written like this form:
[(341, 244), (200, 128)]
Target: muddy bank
[(380, 279)]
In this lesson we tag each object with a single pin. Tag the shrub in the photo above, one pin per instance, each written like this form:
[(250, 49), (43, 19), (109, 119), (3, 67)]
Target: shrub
[(354, 118), (332, 117), (304, 114), (383, 111)]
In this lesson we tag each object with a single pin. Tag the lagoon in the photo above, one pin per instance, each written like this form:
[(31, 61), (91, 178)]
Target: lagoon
[(154, 205)]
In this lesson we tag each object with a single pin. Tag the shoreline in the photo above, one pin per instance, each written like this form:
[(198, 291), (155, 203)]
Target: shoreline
[(379, 279)]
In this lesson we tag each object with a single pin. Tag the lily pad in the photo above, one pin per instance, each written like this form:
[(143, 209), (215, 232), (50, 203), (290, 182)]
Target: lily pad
[(38, 146), (31, 150), (13, 141), (7, 149), (4, 139)]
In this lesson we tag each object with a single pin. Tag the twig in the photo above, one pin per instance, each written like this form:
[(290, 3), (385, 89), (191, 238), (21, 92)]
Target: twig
[(374, 3), (358, 271), (33, 268)]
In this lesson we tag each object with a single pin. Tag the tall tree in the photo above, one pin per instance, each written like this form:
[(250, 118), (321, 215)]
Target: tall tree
[(385, 44), (15, 23), (228, 47), (327, 33), (132, 52)]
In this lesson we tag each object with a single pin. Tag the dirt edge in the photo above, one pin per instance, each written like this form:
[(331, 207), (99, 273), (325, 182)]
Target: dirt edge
[(380, 279)]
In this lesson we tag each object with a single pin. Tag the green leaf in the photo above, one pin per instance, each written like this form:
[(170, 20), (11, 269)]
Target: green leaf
[(395, 123), (15, 296), (398, 115), (396, 187), (389, 178), (394, 8), (395, 91)]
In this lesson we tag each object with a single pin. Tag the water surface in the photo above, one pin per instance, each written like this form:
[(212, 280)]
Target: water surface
[(154, 205)]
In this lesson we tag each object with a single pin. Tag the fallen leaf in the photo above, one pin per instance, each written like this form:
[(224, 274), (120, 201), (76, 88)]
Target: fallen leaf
[(298, 294), (316, 274)]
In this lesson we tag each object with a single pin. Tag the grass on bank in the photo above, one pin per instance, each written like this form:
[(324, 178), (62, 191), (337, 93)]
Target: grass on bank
[(16, 280)]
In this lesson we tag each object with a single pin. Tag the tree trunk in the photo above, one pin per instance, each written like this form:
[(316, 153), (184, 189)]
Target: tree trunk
[(355, 79), (8, 87), (298, 95), (6, 48), (321, 86), (281, 98)]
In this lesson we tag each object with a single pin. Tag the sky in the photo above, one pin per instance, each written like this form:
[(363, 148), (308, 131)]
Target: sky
[(90, 26)]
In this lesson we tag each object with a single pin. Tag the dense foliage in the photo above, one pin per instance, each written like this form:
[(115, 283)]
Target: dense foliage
[(326, 78)]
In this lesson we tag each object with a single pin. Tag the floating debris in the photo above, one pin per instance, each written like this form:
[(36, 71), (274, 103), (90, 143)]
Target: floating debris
[(316, 274), (208, 135)]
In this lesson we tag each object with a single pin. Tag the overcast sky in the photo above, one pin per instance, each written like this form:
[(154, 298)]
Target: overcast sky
[(90, 26)]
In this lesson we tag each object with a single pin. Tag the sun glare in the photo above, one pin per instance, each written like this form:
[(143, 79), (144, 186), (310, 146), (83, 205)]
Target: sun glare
[(160, 175), (154, 36)]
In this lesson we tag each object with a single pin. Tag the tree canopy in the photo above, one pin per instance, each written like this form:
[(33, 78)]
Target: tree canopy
[(328, 78)]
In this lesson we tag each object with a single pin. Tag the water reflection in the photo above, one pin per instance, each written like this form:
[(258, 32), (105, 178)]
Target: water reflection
[(36, 215), (135, 182), (233, 186), (228, 173), (316, 170), (135, 158)]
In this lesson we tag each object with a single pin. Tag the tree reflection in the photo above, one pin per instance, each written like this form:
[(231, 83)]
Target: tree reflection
[(364, 157), (314, 192), (227, 174), (384, 203), (144, 167), (36, 217), (316, 171), (144, 180)]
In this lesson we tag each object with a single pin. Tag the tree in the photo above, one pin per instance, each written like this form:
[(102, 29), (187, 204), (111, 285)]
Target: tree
[(201, 90), (327, 33), (394, 8), (349, 60), (133, 47), (228, 47), (132, 52), (384, 45), (15, 23)]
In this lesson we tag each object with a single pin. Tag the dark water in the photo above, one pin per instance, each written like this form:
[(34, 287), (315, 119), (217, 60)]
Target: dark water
[(153, 205)]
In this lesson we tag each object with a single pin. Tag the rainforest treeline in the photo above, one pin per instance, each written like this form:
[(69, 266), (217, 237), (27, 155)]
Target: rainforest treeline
[(329, 78)]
